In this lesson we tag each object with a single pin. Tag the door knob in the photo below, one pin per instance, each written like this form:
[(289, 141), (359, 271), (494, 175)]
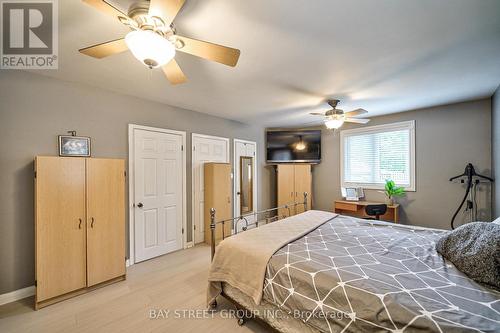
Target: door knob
[(140, 205), (238, 193)]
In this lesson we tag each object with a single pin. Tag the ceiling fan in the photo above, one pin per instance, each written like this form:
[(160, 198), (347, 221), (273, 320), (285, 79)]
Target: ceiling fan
[(153, 39), (335, 118)]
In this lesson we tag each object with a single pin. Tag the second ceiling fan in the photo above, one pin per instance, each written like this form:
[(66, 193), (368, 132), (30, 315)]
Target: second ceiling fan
[(335, 118), (153, 39)]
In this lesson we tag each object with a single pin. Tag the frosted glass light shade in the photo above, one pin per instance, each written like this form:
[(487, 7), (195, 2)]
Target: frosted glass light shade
[(150, 48), (334, 123), (301, 145)]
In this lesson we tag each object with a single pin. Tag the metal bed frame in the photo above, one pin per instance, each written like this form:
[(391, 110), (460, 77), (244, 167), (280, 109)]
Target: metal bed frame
[(268, 218)]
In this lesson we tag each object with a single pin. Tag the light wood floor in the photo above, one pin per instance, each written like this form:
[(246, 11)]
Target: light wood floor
[(175, 281)]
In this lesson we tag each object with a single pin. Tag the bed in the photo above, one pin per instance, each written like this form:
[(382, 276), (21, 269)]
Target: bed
[(344, 274)]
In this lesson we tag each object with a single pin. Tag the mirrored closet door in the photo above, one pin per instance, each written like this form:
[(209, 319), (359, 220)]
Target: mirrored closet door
[(245, 179)]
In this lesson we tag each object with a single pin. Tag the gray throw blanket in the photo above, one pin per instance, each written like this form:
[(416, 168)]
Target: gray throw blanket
[(474, 248)]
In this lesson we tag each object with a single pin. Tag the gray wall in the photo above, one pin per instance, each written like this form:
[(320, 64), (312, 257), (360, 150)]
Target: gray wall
[(495, 128), (447, 137), (34, 109)]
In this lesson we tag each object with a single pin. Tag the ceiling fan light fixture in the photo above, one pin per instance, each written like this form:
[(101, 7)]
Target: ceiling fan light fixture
[(150, 48), (334, 123)]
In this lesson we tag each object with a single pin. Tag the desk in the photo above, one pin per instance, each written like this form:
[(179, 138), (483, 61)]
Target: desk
[(357, 208)]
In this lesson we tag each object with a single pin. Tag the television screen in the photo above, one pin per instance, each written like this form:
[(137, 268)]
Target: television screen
[(294, 146)]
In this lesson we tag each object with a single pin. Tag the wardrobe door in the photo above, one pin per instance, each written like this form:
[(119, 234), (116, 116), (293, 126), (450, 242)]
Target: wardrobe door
[(302, 180), (105, 219), (286, 189), (59, 226), (217, 194)]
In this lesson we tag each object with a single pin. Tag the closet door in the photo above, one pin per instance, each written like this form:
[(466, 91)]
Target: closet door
[(286, 189), (302, 180), (59, 225), (105, 219)]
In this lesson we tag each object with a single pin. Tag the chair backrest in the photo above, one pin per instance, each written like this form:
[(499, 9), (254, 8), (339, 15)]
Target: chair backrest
[(376, 210)]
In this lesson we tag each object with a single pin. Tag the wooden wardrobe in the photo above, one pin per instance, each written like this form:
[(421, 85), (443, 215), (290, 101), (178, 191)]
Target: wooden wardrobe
[(292, 181), (79, 225), (218, 195)]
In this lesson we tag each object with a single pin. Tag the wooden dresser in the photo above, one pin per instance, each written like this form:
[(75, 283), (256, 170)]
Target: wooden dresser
[(79, 225), (292, 181)]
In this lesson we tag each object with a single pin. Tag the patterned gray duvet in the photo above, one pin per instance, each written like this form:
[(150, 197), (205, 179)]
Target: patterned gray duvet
[(355, 275)]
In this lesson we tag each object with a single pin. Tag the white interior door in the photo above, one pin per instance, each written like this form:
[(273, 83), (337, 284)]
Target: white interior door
[(158, 191), (205, 149), (244, 148)]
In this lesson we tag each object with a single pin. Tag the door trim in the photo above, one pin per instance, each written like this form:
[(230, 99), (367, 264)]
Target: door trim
[(131, 183), (197, 135), (255, 175)]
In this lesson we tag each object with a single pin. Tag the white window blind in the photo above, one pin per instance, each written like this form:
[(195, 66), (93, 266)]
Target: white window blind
[(371, 155)]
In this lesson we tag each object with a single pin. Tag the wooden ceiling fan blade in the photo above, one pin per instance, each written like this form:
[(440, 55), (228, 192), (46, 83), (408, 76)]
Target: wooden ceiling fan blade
[(357, 120), (210, 51), (173, 72), (356, 112), (316, 113), (167, 10), (105, 49), (106, 8)]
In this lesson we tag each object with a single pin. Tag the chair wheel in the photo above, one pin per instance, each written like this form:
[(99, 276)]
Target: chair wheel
[(241, 321), (213, 306)]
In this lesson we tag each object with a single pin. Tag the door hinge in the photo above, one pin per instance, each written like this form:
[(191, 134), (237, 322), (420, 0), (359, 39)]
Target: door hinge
[(194, 227), (125, 173), (35, 174), (194, 148), (36, 283), (183, 231), (182, 147)]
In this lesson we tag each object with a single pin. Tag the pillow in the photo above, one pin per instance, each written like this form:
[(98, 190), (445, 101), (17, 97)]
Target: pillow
[(474, 248)]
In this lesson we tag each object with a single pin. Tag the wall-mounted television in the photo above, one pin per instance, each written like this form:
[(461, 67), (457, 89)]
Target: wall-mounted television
[(294, 146)]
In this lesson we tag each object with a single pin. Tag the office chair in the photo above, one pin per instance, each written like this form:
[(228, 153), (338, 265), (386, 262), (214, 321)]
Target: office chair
[(375, 210)]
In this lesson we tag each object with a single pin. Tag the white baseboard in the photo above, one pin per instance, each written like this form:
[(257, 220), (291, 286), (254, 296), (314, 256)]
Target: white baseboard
[(17, 295)]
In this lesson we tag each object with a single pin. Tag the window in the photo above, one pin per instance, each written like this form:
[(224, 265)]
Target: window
[(371, 155)]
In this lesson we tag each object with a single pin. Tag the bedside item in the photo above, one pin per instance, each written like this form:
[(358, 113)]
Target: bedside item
[(72, 145), (79, 226), (375, 210), (352, 193), (474, 249), (293, 180), (218, 194), (357, 209)]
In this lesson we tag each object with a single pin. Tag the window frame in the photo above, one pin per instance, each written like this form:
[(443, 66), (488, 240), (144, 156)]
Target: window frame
[(403, 125)]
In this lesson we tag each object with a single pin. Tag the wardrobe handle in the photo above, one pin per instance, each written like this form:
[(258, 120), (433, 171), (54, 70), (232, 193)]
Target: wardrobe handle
[(79, 223), (91, 222)]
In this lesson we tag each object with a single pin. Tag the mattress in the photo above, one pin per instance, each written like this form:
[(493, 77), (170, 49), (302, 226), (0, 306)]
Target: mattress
[(355, 275)]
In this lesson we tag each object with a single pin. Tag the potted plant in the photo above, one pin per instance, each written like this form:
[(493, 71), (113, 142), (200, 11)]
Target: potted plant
[(391, 191)]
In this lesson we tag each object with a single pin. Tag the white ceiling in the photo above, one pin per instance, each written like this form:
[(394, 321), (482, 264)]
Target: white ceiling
[(385, 56)]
